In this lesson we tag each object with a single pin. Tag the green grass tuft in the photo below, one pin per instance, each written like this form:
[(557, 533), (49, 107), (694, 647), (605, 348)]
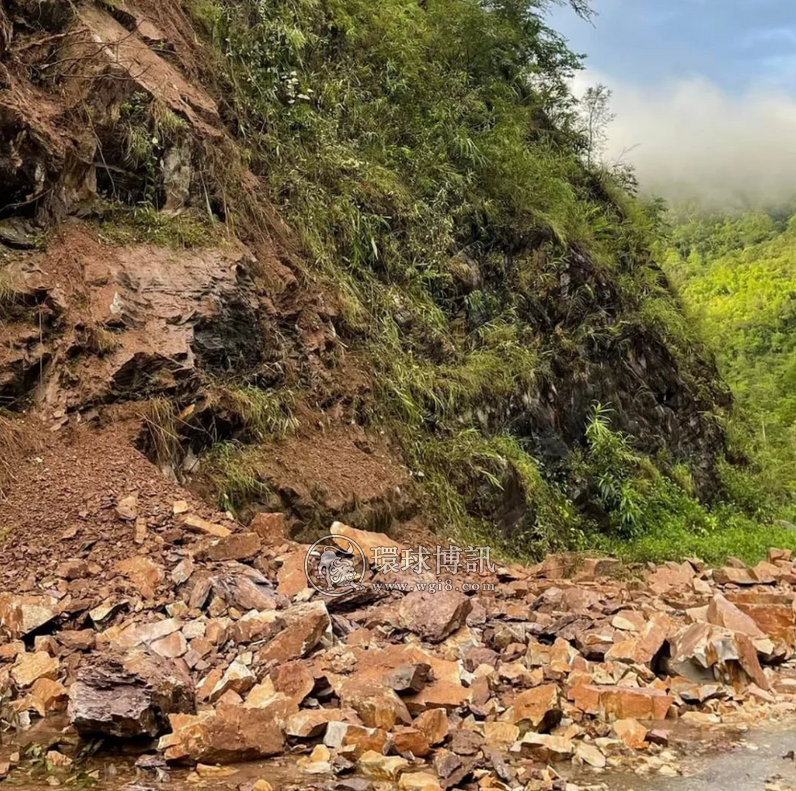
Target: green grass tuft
[(235, 473), (147, 225)]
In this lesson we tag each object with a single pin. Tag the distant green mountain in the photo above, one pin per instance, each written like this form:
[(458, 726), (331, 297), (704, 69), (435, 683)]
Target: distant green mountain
[(737, 277)]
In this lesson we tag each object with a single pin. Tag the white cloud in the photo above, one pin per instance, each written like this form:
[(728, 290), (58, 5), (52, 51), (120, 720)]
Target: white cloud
[(693, 139)]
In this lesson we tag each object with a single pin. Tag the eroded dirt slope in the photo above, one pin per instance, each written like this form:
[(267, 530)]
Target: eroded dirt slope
[(201, 291), (100, 319)]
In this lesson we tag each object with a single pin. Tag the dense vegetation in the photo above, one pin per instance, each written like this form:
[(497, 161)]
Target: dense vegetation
[(737, 277), (439, 174)]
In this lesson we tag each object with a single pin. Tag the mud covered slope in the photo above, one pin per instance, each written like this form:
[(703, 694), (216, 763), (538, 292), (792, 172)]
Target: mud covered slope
[(161, 286)]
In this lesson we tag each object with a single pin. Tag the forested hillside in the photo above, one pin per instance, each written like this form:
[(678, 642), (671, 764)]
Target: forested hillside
[(501, 284), (325, 336), (737, 277)]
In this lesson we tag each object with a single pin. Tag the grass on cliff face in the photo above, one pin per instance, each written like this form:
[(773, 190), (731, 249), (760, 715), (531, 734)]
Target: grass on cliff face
[(236, 474), (431, 158), (146, 225)]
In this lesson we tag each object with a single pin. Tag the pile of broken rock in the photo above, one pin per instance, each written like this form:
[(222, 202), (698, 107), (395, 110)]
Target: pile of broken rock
[(223, 654)]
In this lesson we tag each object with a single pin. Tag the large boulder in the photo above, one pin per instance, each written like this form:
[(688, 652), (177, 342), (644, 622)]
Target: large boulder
[(129, 697), (434, 616), (229, 734), (306, 626)]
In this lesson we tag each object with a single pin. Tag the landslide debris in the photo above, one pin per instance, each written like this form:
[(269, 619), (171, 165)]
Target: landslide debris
[(229, 660)]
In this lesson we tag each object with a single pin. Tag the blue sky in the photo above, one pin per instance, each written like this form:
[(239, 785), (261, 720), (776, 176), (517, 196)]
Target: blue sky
[(739, 45), (704, 93)]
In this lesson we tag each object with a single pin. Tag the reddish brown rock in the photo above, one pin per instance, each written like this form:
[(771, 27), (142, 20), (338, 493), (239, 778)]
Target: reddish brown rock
[(560, 566), (271, 527), (256, 626), (292, 576), (366, 540), (252, 627), (772, 613), (144, 573), (133, 634), (642, 648), (355, 740), (620, 703), (202, 526), (237, 677), (434, 725), (736, 576), (418, 781), (690, 654), (538, 708), (500, 735), (749, 662), (78, 640), (779, 555), (632, 733), (723, 613), (127, 508), (411, 741), (480, 692), (29, 668), (658, 736), (229, 734), (261, 695), (381, 767), (307, 624), (21, 615), (544, 747), (408, 678), (594, 568), (172, 646), (10, 651), (670, 575), (48, 696), (434, 616), (311, 723), (294, 679), (237, 546), (703, 653), (72, 570), (377, 705), (443, 694), (128, 698), (465, 742), (766, 573)]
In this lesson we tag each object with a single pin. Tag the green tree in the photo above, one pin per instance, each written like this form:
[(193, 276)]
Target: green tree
[(595, 107)]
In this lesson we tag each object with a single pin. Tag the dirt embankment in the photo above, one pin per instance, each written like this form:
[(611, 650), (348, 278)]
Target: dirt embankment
[(140, 330), (200, 296)]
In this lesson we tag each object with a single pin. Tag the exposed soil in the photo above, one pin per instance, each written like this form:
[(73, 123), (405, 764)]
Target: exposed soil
[(62, 506), (338, 473)]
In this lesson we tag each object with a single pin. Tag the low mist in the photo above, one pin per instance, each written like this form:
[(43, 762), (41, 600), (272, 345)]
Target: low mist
[(692, 140)]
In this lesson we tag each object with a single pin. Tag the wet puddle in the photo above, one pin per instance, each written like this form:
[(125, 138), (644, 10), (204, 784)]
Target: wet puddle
[(721, 759), (107, 767)]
